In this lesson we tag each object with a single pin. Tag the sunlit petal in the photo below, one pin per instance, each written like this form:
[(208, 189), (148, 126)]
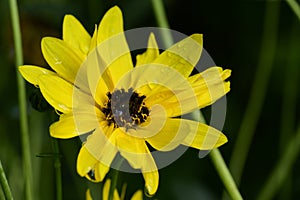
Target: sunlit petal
[(138, 195), (102, 145), (151, 182), (202, 136), (88, 195), (70, 126), (182, 56), (90, 167), (202, 90), (64, 59), (170, 136), (31, 73), (75, 34), (112, 44), (151, 53), (105, 191), (136, 152), (57, 92)]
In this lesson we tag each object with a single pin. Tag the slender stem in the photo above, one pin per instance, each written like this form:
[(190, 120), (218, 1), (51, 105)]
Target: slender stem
[(224, 174), (295, 7), (57, 167), (4, 184), (22, 100), (283, 167), (216, 156), (114, 180), (289, 101), (257, 96), (162, 21)]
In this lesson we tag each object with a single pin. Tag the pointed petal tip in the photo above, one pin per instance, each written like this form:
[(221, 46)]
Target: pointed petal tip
[(198, 37), (148, 190), (151, 182), (226, 74), (114, 10), (69, 16), (222, 140)]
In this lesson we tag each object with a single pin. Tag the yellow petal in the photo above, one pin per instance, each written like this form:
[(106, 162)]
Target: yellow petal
[(85, 161), (202, 136), (64, 59), (112, 44), (75, 34), (105, 191), (210, 85), (70, 126), (99, 80), (87, 164), (57, 92), (100, 171), (202, 90), (182, 56), (93, 42), (151, 182), (131, 148), (31, 73), (136, 152), (88, 195), (138, 195), (151, 53), (170, 136), (102, 145)]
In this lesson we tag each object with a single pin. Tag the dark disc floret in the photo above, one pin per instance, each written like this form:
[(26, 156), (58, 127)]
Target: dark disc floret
[(125, 108)]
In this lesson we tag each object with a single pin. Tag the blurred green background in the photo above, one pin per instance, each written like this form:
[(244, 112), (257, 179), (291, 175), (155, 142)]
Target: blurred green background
[(233, 36)]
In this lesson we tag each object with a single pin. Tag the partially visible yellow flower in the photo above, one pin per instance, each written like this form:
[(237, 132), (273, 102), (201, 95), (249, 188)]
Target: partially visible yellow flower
[(124, 108), (138, 195)]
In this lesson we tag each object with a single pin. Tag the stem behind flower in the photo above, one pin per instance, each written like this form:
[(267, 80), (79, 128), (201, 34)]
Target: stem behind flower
[(4, 184), (22, 100)]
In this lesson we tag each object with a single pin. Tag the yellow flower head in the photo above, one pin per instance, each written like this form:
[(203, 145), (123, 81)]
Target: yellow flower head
[(122, 108), (138, 195)]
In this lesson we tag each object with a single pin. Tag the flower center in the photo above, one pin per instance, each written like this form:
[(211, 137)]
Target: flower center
[(125, 109)]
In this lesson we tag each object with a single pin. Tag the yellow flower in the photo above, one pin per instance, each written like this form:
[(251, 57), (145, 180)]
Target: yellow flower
[(124, 108), (138, 195)]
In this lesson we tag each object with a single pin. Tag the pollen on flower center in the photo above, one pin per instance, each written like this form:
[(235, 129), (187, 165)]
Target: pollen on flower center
[(125, 108)]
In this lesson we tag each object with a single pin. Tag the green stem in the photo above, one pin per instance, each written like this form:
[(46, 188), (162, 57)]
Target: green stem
[(4, 184), (114, 180), (257, 96), (162, 21), (224, 174), (295, 7), (281, 170), (57, 167), (289, 101), (22, 100), (197, 115)]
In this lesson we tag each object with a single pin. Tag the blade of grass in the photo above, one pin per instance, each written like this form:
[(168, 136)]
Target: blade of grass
[(114, 180), (22, 100), (289, 101), (162, 22), (282, 168), (215, 154), (225, 174), (257, 96), (4, 184), (295, 7)]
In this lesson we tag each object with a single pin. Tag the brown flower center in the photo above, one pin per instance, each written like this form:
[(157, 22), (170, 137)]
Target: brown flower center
[(125, 108)]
